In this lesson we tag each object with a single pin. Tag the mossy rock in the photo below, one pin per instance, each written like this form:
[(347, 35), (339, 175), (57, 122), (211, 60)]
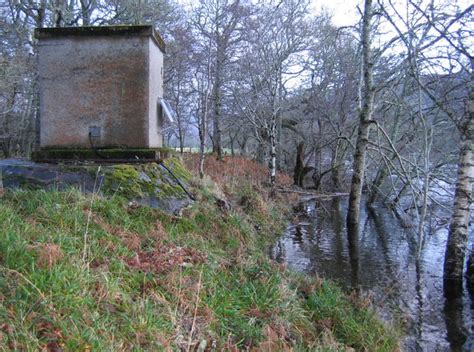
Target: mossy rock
[(124, 180), (149, 183), (150, 180), (175, 165)]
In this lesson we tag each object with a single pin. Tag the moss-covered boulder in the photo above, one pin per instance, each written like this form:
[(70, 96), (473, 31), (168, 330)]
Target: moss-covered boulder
[(157, 185)]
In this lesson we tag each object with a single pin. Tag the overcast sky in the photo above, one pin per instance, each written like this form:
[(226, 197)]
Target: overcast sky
[(344, 11)]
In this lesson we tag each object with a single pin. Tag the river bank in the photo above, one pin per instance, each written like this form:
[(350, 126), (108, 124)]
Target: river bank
[(97, 272), (402, 284)]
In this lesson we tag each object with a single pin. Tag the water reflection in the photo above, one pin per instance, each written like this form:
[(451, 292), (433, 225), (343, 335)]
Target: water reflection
[(456, 332), (384, 263)]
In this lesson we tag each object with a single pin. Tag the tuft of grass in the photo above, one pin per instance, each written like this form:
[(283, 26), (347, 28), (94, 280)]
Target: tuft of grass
[(145, 280), (354, 326)]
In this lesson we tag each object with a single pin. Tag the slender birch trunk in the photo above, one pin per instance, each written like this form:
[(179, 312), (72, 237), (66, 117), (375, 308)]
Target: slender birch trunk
[(458, 228), (365, 115), (273, 128), (273, 154), (470, 272)]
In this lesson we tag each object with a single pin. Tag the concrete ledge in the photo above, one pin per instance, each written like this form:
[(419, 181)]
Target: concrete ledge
[(122, 30), (55, 155), (150, 184)]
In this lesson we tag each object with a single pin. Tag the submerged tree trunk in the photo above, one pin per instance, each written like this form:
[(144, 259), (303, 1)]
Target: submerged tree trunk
[(338, 157), (456, 332), (470, 272), (365, 115), (336, 178), (458, 228)]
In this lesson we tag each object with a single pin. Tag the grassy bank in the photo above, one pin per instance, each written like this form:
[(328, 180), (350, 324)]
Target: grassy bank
[(93, 273)]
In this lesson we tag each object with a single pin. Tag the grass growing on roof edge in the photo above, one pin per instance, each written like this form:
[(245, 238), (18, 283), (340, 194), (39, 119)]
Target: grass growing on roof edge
[(72, 276)]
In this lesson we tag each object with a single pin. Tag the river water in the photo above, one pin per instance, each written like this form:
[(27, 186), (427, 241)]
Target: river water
[(402, 287)]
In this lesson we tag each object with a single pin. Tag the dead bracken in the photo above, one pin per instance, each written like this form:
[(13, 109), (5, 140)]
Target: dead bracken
[(48, 254), (164, 258)]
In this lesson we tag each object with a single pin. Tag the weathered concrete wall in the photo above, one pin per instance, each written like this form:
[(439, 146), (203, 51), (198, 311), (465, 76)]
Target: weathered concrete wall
[(155, 94), (94, 81)]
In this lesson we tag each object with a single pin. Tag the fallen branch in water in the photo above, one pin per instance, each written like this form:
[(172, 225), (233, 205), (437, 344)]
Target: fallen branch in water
[(313, 194)]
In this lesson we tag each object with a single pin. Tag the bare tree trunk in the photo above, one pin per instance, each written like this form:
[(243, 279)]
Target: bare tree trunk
[(456, 332), (273, 154), (470, 272), (58, 13), (299, 165), (233, 138), (365, 114), (181, 145), (383, 171), (203, 124), (202, 145), (86, 12), (6, 133), (336, 177), (380, 177), (261, 152), (243, 145), (232, 148), (458, 228), (217, 145), (180, 133)]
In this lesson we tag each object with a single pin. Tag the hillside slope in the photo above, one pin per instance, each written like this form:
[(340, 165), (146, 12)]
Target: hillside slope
[(100, 273)]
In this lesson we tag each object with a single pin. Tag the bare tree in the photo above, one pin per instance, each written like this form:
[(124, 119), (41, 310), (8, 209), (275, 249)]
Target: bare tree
[(219, 22), (365, 121), (266, 64), (447, 81), (330, 101), (179, 79)]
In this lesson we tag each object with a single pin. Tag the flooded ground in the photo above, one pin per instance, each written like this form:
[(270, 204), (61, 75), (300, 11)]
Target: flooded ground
[(402, 287)]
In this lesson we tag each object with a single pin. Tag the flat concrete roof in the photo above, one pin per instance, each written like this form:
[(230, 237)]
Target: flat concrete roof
[(103, 31)]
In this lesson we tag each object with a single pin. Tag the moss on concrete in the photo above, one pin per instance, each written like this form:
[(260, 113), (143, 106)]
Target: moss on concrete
[(175, 165), (146, 180), (123, 179), (147, 183)]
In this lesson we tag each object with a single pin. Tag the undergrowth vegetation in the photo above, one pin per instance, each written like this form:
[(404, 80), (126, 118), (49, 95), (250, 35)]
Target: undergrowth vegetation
[(92, 273)]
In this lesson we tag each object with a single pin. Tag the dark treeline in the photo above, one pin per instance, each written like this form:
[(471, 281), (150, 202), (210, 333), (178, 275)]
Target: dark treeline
[(383, 107)]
